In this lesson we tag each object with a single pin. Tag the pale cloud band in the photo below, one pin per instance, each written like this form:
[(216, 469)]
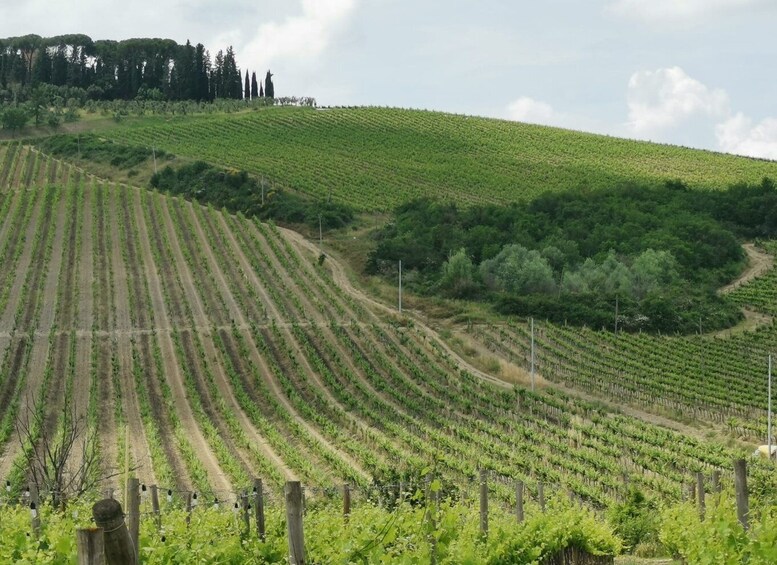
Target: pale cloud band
[(677, 11)]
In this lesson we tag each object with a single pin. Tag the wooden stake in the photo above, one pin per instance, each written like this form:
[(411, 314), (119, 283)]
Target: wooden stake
[(541, 496), (483, 503), (346, 502), (700, 493), (293, 495), (188, 508), (35, 510), (716, 481), (133, 518), (91, 548), (109, 516), (246, 512), (259, 509), (740, 485), (519, 501), (155, 505)]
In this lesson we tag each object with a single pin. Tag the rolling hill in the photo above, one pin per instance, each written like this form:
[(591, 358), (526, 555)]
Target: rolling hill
[(376, 159), (208, 349)]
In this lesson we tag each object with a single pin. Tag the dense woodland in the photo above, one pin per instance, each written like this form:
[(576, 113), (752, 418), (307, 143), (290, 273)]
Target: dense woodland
[(75, 66), (656, 253)]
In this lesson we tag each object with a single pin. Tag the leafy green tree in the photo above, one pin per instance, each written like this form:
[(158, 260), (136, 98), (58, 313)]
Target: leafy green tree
[(653, 270), (518, 270), (458, 274), (14, 118)]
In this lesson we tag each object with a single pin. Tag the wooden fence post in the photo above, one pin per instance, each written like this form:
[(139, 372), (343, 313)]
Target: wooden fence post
[(133, 513), (700, 493), (716, 481), (483, 503), (293, 495), (34, 510), (109, 516), (188, 507), (740, 485), (246, 512), (259, 508), (155, 505), (346, 502), (519, 501), (91, 548), (541, 496)]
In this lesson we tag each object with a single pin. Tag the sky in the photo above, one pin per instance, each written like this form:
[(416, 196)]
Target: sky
[(698, 73)]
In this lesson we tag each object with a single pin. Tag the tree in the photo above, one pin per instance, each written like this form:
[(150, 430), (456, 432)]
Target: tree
[(261, 91), (653, 270), (247, 88), (64, 462), (254, 86), (517, 270), (14, 118), (269, 87), (458, 274)]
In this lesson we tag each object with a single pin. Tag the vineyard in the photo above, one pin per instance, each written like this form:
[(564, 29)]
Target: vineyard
[(703, 377), (226, 349), (376, 159)]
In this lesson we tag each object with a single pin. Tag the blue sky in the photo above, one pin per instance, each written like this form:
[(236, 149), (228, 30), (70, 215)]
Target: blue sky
[(699, 73)]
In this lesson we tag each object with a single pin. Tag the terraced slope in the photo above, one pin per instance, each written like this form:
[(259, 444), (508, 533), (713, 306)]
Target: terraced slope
[(222, 350), (375, 158)]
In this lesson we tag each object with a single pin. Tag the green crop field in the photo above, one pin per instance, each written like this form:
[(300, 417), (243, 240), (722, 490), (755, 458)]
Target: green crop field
[(375, 159), (205, 349)]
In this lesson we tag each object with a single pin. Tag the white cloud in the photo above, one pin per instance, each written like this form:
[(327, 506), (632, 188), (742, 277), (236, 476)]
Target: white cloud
[(665, 98), (678, 11), (301, 37), (738, 135), (527, 109)]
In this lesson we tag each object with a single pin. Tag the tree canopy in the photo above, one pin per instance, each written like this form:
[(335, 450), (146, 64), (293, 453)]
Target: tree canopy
[(146, 68)]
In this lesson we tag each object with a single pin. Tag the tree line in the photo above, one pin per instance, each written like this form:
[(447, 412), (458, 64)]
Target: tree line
[(143, 68)]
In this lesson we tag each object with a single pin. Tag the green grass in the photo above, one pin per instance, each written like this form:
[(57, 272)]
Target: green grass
[(375, 158)]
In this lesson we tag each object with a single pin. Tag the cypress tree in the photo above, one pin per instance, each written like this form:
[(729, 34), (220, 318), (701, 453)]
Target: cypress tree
[(269, 87), (254, 87), (261, 91), (247, 88)]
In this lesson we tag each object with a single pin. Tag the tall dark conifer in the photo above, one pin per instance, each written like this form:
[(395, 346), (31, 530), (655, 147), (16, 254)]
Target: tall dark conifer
[(247, 88), (261, 91), (269, 87), (254, 86)]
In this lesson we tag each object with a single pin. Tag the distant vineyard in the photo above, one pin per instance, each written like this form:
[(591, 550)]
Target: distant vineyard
[(225, 351), (713, 379), (375, 159), (761, 293)]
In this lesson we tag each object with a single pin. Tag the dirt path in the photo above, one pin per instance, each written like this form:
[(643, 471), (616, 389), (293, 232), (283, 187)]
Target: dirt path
[(173, 375), (199, 298), (759, 262), (32, 381), (257, 358), (83, 322), (7, 318), (344, 282), (236, 314), (149, 339), (15, 196), (140, 450)]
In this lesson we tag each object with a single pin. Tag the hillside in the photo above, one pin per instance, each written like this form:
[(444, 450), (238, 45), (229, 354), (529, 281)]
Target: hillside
[(226, 349), (375, 159)]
